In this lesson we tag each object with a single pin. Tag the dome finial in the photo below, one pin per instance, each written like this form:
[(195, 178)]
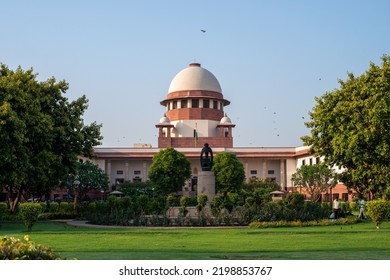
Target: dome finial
[(194, 64)]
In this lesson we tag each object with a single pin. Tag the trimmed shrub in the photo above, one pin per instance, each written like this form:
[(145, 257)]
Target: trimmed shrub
[(184, 200), (29, 212), (378, 210), (12, 248), (202, 201)]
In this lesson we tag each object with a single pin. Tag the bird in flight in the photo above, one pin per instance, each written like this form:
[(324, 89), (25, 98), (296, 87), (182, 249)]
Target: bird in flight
[(203, 30)]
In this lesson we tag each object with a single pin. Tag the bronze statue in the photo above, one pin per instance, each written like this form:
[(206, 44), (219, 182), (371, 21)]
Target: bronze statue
[(206, 158)]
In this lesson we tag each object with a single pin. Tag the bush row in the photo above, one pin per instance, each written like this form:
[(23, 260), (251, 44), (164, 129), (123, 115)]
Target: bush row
[(323, 222), (226, 210)]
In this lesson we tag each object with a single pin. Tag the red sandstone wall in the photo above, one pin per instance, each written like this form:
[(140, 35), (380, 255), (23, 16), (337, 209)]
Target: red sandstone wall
[(195, 114), (189, 142)]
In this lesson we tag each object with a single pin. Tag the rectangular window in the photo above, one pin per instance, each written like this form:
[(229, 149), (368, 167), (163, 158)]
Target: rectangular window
[(311, 161), (303, 162), (174, 105), (195, 103), (119, 172), (270, 172), (137, 172), (184, 103), (206, 103), (317, 160), (253, 172), (215, 104)]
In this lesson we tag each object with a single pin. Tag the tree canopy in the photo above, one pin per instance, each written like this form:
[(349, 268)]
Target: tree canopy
[(316, 179), (90, 176), (350, 127), (229, 173), (41, 133), (169, 171)]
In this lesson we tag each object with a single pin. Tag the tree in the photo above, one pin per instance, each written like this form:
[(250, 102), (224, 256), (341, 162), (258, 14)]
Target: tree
[(90, 177), (169, 171), (316, 179), (41, 133), (350, 127), (229, 173)]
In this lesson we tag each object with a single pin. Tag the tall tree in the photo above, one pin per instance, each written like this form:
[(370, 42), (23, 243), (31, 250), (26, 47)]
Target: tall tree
[(315, 179), (350, 127), (169, 171), (41, 133), (229, 173)]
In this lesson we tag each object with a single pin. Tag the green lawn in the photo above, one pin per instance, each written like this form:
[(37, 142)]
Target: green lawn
[(360, 241)]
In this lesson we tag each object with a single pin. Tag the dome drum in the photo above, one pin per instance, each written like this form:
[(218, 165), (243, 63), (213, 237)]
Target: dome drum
[(195, 114)]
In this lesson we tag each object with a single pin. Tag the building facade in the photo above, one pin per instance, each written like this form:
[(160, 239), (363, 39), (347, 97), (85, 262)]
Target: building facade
[(194, 115)]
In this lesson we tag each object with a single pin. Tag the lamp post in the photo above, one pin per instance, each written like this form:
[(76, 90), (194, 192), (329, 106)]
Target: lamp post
[(102, 195), (76, 184)]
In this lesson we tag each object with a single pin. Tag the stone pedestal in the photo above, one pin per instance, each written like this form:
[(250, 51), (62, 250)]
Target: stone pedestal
[(206, 184)]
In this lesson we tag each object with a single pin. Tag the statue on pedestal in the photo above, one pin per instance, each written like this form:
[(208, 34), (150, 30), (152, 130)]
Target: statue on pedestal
[(206, 158)]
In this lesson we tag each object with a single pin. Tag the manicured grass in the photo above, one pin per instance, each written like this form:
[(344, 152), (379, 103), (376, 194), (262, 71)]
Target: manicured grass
[(359, 241)]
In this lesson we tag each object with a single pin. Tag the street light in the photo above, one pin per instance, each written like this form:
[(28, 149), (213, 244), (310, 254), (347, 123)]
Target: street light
[(102, 195)]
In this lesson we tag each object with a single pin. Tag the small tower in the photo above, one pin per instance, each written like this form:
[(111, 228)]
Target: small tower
[(164, 132), (195, 112)]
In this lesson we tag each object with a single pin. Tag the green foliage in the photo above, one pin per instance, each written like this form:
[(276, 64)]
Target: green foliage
[(169, 171), (29, 212), (136, 188), (90, 176), (41, 133), (172, 200), (323, 222), (202, 201), (315, 179), (3, 210), (12, 248), (229, 173), (184, 200), (292, 208), (350, 127), (295, 200), (378, 210), (353, 206), (216, 205), (125, 211)]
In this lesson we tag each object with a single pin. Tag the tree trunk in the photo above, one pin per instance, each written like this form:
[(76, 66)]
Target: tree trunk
[(75, 201), (14, 199)]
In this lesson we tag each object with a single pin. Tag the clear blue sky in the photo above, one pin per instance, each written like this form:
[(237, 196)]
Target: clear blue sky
[(271, 57)]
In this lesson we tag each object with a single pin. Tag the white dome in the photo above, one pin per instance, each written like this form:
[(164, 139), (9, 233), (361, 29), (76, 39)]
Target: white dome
[(194, 77), (165, 120), (225, 120)]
